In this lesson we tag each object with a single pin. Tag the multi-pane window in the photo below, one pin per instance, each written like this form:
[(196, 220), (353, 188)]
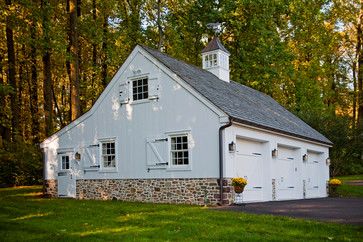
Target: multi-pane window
[(210, 60), (140, 89), (108, 154), (65, 162), (179, 150)]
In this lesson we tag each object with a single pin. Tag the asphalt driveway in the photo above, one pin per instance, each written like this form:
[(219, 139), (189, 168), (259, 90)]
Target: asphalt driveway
[(339, 210)]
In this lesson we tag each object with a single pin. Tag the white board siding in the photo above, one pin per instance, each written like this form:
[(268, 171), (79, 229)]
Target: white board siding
[(271, 141), (133, 123)]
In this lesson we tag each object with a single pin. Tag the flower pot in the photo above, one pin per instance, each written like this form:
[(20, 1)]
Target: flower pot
[(238, 189), (333, 190)]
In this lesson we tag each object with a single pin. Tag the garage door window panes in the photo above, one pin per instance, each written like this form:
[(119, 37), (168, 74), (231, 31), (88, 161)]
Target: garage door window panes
[(109, 154), (140, 89), (179, 150)]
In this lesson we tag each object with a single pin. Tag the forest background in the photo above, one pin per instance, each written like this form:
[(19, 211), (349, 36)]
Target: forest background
[(56, 57)]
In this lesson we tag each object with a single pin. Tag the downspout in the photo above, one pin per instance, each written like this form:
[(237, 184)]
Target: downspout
[(221, 159)]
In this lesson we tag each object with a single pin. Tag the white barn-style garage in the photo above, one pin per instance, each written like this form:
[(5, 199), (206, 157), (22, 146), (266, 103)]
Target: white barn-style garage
[(169, 132)]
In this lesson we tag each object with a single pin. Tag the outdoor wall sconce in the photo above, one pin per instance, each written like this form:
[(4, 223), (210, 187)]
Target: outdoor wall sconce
[(232, 147), (274, 153), (305, 157), (327, 161), (77, 156)]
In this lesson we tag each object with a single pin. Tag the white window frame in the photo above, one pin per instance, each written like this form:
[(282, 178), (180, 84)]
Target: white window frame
[(61, 161), (140, 78), (64, 152), (211, 60), (171, 166), (106, 168)]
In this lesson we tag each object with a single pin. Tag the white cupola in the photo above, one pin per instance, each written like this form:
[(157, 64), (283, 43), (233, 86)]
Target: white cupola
[(216, 59)]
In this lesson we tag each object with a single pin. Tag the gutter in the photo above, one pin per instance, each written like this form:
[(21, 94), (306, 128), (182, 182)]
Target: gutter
[(221, 159)]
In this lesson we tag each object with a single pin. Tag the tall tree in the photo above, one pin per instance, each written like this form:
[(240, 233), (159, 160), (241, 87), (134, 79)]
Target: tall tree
[(11, 71), (104, 51), (47, 75), (360, 67), (33, 87), (4, 129), (74, 60)]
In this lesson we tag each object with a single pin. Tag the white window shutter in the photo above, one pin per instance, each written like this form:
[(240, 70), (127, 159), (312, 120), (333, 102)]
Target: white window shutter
[(157, 151), (154, 88), (124, 92), (92, 156)]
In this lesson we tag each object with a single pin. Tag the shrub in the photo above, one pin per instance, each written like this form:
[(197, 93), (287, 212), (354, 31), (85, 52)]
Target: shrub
[(20, 164)]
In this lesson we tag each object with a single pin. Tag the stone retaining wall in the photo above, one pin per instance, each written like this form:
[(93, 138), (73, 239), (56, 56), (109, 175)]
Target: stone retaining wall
[(50, 188), (183, 191)]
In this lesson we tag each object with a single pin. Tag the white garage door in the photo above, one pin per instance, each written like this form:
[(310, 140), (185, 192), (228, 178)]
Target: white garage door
[(249, 165), (286, 173), (312, 174)]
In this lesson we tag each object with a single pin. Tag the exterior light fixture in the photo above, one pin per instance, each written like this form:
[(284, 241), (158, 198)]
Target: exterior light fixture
[(327, 161), (274, 153), (77, 156), (305, 157), (232, 147)]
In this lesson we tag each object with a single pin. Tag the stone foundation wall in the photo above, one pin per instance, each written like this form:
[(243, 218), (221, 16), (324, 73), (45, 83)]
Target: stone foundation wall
[(183, 191), (50, 188)]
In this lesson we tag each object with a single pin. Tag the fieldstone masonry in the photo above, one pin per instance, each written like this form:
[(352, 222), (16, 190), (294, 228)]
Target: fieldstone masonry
[(199, 191), (50, 188)]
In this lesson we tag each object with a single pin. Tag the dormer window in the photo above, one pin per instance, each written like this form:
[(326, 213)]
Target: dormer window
[(210, 60), (140, 89)]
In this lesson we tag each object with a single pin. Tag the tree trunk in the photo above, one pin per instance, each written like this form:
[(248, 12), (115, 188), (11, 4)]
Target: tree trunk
[(94, 51), (160, 29), (104, 50), (360, 72), (47, 82), (4, 130), (74, 62), (33, 88), (360, 68), (354, 74), (21, 102), (11, 75), (58, 111)]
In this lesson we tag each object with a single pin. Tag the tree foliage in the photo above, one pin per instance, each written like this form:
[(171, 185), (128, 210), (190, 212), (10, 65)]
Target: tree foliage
[(56, 57)]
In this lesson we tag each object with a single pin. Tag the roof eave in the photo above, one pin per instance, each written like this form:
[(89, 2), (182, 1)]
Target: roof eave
[(237, 120)]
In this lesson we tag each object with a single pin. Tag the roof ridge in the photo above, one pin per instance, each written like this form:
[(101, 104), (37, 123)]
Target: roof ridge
[(242, 103)]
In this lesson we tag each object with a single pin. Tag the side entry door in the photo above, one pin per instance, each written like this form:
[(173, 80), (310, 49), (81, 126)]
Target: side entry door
[(66, 176)]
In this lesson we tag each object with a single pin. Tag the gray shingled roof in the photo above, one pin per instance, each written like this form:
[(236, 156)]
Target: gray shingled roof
[(214, 44), (243, 104)]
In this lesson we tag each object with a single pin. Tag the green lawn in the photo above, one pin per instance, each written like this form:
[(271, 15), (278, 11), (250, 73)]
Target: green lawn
[(346, 190), (25, 216)]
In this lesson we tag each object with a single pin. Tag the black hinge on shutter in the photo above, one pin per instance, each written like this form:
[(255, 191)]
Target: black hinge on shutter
[(158, 140)]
